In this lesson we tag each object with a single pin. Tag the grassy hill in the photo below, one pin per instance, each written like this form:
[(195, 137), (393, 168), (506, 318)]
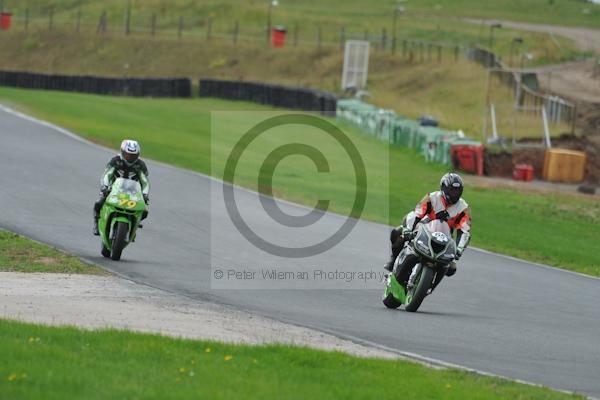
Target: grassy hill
[(309, 21), (454, 91)]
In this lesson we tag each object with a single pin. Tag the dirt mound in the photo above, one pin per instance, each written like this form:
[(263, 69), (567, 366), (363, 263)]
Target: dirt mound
[(588, 118), (501, 163)]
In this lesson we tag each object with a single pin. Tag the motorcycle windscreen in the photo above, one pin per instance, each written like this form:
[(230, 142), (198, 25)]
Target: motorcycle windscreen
[(439, 226), (129, 186), (440, 235)]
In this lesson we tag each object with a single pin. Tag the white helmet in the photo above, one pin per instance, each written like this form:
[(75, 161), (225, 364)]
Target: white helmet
[(130, 151)]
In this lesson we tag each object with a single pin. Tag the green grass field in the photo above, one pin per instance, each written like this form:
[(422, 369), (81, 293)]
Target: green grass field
[(23, 255), (70, 363), (548, 228)]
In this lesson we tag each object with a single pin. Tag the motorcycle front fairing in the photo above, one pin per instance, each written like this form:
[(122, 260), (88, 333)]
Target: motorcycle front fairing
[(125, 203)]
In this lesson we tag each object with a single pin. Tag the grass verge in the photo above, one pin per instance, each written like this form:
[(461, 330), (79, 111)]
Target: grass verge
[(547, 228), (71, 363), (23, 255)]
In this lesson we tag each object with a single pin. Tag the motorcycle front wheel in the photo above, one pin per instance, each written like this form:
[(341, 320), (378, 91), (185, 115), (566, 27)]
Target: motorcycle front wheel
[(415, 296), (119, 242)]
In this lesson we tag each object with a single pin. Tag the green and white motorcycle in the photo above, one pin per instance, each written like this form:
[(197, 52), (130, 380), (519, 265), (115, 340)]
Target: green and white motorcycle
[(420, 266), (120, 217)]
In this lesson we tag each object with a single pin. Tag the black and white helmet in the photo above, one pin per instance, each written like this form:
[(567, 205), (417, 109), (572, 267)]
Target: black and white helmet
[(452, 186), (130, 151)]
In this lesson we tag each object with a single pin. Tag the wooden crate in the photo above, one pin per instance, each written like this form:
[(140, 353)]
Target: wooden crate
[(562, 165)]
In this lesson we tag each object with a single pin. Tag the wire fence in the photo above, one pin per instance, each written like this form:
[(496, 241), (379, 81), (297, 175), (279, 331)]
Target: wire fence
[(528, 98), (235, 31)]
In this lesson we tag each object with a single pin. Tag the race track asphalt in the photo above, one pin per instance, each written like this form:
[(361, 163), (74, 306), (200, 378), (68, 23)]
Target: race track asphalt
[(498, 315)]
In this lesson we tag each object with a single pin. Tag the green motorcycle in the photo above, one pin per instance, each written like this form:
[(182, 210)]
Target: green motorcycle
[(120, 217), (420, 266)]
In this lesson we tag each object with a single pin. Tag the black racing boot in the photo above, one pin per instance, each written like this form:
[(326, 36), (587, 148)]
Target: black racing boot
[(397, 242), (96, 216), (390, 264)]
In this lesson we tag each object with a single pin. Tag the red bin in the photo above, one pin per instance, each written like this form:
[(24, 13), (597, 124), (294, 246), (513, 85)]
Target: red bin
[(278, 36), (468, 157), (523, 172), (5, 19)]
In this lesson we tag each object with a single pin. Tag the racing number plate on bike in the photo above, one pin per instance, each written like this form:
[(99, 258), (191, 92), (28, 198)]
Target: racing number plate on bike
[(127, 203), (440, 236)]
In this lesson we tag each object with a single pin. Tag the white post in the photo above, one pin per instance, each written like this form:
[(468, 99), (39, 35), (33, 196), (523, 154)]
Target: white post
[(546, 130), (487, 102), (494, 128), (356, 64)]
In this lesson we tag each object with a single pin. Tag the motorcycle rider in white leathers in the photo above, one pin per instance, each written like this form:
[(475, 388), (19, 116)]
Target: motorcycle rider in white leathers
[(445, 204)]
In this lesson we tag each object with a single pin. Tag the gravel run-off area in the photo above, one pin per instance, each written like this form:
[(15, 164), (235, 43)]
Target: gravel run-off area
[(95, 302)]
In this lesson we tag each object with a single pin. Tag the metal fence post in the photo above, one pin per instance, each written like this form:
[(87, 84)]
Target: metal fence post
[(319, 36), (295, 35), (236, 30), (128, 19), (50, 18)]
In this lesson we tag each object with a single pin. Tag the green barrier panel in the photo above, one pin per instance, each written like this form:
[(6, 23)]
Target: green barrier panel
[(431, 144), (434, 143), (384, 121), (404, 132), (354, 111), (442, 155)]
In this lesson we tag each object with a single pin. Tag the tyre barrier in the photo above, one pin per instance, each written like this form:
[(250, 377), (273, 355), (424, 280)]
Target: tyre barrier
[(270, 94), (137, 87)]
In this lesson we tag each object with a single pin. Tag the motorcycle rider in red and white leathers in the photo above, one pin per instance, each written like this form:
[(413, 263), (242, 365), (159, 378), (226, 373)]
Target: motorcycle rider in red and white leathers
[(445, 204)]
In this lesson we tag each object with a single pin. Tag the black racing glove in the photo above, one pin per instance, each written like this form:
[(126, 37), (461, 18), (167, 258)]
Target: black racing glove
[(407, 233), (146, 199)]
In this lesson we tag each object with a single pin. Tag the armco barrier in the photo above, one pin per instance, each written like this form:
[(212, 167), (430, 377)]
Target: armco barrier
[(270, 94), (139, 87)]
